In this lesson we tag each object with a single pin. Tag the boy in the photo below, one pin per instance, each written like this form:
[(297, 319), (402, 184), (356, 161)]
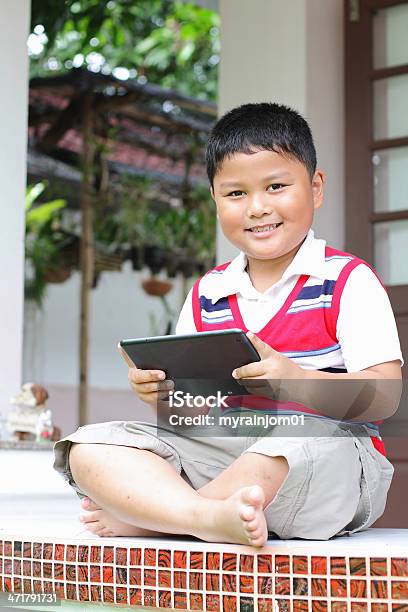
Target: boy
[(286, 286)]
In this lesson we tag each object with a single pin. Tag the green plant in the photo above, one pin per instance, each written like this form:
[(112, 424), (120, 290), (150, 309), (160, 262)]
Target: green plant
[(185, 233), (44, 241)]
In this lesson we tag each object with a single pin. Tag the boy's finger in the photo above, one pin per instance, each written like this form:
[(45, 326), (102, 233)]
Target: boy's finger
[(137, 375), (248, 371), (152, 387)]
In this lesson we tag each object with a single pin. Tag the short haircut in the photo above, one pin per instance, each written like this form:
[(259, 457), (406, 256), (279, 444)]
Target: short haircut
[(260, 127)]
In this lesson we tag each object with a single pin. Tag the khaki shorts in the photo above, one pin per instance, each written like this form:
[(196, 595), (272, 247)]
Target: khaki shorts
[(337, 481)]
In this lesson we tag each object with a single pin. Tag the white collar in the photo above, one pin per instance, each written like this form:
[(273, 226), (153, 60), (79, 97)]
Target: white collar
[(309, 260)]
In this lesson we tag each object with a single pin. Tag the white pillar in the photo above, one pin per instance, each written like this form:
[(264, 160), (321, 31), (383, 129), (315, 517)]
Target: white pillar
[(14, 27), (290, 53)]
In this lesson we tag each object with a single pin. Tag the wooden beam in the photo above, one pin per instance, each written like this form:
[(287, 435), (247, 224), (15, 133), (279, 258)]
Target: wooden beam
[(86, 251)]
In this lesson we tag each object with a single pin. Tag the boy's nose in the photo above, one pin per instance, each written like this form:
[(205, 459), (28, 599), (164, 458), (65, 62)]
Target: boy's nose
[(257, 207)]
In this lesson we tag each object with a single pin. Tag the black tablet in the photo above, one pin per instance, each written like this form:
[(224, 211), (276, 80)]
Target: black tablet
[(200, 363)]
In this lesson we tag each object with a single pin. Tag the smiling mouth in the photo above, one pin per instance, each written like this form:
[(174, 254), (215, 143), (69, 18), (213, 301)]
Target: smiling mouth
[(258, 229)]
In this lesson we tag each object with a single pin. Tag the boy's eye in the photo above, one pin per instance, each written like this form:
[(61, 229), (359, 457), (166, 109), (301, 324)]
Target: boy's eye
[(235, 194), (275, 186)]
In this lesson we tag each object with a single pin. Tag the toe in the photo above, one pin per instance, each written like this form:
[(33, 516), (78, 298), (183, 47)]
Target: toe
[(256, 495), (105, 533), (252, 496), (252, 525), (247, 513), (90, 517), (88, 504), (94, 527)]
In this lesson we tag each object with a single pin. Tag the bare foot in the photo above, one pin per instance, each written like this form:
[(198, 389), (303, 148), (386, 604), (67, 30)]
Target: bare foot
[(104, 524), (239, 519)]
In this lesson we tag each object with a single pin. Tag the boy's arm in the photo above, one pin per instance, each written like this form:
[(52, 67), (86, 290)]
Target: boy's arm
[(369, 395)]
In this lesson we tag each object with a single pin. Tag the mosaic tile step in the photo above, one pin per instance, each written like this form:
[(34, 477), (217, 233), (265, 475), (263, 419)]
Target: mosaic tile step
[(364, 572)]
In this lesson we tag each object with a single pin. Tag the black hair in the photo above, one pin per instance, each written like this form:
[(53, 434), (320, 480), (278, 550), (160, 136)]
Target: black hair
[(261, 126)]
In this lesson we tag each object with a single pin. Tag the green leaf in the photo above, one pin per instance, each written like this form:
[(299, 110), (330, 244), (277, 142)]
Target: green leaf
[(33, 192), (44, 212), (186, 52)]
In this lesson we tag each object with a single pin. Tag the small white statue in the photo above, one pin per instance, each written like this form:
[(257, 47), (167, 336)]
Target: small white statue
[(30, 419)]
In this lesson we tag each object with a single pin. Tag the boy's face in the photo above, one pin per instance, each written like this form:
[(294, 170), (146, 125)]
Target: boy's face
[(253, 192)]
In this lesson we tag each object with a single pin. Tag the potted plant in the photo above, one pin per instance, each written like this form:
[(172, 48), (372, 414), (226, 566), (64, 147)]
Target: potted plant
[(44, 243)]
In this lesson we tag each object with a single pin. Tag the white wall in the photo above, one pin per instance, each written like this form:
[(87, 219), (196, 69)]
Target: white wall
[(119, 309), (291, 53), (13, 137)]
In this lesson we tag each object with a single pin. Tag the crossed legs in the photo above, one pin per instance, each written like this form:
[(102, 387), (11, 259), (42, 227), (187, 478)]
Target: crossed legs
[(135, 492)]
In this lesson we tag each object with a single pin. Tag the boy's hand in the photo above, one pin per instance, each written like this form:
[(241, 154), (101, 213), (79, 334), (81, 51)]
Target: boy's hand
[(149, 385), (272, 366)]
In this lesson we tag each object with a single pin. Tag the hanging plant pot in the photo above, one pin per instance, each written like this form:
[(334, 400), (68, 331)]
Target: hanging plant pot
[(156, 287), (155, 258), (57, 275)]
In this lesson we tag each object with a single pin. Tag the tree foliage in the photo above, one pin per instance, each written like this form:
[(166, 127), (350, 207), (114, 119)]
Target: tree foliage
[(172, 44)]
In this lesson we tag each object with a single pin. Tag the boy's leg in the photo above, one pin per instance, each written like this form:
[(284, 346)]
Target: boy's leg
[(142, 489)]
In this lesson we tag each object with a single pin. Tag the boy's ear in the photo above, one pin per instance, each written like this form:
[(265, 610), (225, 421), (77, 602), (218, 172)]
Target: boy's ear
[(318, 188)]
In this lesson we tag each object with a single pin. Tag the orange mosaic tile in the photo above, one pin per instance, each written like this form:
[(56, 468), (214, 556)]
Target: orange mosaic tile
[(338, 606), (108, 554), (180, 559), (300, 605), (246, 584), (265, 605), (212, 561), (379, 589), (212, 582), (264, 563), (265, 585), (282, 564), (121, 556), (300, 586), (196, 601), (358, 589), (338, 588), (378, 566), (338, 566), (229, 583), (282, 586), (212, 603), (196, 560), (246, 563), (300, 565), (399, 590), (359, 606), (357, 566), (164, 578), (229, 562), (135, 556), (319, 587), (150, 556)]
